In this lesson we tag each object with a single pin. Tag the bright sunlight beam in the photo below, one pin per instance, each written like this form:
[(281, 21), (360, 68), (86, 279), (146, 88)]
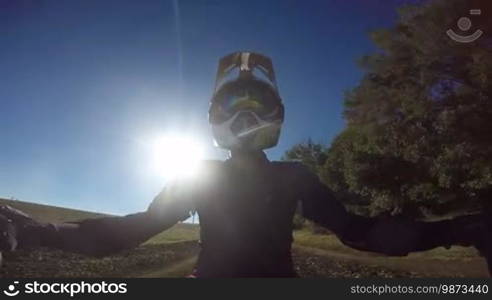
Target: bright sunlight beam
[(176, 156)]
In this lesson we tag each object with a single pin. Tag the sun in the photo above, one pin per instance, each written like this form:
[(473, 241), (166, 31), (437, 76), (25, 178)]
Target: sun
[(176, 156)]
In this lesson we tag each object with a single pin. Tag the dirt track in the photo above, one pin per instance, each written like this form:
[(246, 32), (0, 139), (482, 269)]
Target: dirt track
[(177, 260)]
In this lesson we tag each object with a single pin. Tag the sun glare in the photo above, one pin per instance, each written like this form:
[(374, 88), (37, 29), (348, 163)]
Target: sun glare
[(176, 156)]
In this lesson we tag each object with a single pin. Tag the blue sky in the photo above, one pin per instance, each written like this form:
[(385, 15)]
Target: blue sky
[(83, 83)]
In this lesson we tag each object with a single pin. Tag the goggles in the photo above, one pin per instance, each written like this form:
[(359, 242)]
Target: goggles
[(245, 96)]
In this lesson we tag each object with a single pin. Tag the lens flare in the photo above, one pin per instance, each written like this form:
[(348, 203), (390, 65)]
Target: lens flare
[(175, 156)]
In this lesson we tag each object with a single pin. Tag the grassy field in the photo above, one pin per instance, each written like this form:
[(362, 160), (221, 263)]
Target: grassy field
[(173, 254), (47, 213), (439, 262)]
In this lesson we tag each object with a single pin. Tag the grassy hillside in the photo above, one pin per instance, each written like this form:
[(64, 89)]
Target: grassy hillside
[(162, 252), (173, 254)]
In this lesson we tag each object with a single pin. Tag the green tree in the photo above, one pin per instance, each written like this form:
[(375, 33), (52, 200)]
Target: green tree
[(311, 154), (418, 138)]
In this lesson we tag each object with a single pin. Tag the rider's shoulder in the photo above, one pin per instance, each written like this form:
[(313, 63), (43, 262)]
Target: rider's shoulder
[(212, 168), (287, 164), (212, 165), (295, 167)]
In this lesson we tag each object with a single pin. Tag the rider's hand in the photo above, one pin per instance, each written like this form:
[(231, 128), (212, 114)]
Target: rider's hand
[(394, 236), (398, 236), (18, 230)]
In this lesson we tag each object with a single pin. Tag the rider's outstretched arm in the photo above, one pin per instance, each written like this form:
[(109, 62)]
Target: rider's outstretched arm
[(395, 236), (107, 235)]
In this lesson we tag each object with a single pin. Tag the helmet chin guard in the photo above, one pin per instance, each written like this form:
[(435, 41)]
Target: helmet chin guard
[(246, 111)]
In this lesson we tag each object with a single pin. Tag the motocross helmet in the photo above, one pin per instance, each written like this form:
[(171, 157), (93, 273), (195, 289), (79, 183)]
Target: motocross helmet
[(246, 111)]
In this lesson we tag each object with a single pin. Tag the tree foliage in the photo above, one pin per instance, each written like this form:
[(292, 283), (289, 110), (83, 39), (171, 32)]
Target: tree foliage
[(311, 154), (419, 125)]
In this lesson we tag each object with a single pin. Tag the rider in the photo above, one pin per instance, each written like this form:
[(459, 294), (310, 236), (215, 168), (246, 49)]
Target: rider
[(246, 204)]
